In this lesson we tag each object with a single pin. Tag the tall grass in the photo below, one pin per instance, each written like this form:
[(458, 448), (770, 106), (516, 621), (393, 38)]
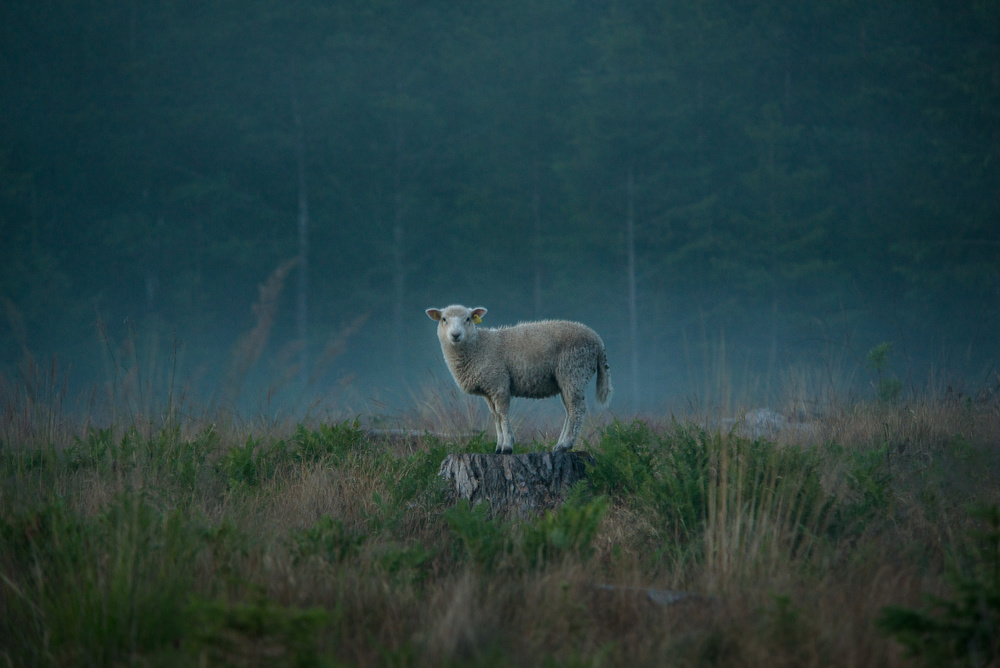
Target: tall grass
[(34, 403), (766, 510), (180, 540)]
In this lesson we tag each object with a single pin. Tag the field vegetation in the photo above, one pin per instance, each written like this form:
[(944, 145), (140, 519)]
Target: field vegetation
[(171, 537)]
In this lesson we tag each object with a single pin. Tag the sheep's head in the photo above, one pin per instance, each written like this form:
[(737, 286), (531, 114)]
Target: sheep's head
[(457, 324)]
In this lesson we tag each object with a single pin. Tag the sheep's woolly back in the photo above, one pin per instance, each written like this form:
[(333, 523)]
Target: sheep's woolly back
[(532, 359), (537, 354)]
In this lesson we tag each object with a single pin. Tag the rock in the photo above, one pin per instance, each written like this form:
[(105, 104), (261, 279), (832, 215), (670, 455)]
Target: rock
[(767, 423), (659, 597)]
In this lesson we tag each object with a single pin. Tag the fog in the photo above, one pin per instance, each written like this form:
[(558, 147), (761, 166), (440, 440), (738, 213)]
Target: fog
[(251, 204)]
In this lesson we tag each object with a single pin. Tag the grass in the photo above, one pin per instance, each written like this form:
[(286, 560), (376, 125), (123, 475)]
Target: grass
[(870, 540)]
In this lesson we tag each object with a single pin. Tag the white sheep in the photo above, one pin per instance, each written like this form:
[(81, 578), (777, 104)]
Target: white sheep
[(531, 359)]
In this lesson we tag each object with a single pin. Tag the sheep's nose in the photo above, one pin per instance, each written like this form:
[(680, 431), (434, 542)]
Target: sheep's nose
[(455, 336)]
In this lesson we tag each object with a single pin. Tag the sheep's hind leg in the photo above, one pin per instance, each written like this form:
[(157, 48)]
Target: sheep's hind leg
[(576, 408), (565, 428), (500, 406), (496, 422)]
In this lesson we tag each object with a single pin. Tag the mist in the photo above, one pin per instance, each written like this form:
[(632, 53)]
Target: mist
[(251, 204)]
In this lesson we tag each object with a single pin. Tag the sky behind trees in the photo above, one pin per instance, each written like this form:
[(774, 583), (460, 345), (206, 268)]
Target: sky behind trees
[(270, 194)]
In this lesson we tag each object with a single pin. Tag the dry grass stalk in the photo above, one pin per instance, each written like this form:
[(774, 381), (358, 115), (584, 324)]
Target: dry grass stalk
[(251, 345)]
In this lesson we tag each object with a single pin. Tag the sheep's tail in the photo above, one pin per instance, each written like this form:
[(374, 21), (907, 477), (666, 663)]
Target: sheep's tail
[(604, 389)]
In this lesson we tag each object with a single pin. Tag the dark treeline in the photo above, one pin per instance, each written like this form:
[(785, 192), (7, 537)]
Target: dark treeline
[(759, 186)]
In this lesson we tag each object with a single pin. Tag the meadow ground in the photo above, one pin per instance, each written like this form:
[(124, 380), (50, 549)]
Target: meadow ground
[(872, 538)]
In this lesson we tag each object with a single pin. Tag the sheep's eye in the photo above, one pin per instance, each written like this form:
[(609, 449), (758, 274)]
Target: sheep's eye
[(468, 320), (444, 319)]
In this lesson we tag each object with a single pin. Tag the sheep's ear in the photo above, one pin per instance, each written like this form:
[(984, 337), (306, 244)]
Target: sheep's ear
[(434, 314), (477, 315)]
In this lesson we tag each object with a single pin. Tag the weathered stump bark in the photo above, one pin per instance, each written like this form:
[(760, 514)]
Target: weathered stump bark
[(523, 485)]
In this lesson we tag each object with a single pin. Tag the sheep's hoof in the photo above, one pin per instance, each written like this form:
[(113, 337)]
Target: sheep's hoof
[(562, 447), (501, 450)]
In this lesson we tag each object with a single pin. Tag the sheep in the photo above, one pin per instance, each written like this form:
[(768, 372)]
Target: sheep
[(531, 359)]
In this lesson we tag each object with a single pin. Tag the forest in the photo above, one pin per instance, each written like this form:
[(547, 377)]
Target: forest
[(223, 410), (262, 198)]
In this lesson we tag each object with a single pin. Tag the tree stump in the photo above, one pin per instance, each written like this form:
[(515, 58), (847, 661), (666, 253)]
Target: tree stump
[(522, 485)]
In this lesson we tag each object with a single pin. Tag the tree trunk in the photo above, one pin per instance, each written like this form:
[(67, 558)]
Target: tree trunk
[(633, 307), (398, 248), (521, 485), (536, 145), (536, 245), (302, 301), (399, 328)]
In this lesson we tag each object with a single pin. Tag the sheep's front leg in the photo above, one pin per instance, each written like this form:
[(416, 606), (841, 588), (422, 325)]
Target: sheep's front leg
[(500, 406)]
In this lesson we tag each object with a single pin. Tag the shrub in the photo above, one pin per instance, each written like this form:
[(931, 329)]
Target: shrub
[(682, 501), (166, 453), (889, 388), (568, 530), (869, 489), (626, 463), (486, 541), (256, 633), (96, 590), (405, 564), (416, 476), (665, 475), (92, 450), (337, 441), (247, 467), (966, 627), (326, 539)]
